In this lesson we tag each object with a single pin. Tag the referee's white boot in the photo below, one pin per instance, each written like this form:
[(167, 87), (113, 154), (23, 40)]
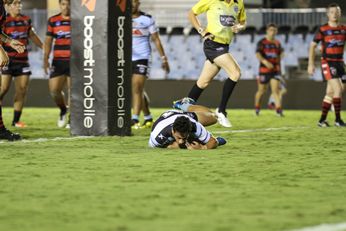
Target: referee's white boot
[(222, 119)]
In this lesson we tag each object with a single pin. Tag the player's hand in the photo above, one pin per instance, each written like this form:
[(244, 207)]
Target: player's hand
[(236, 28), (4, 59), (207, 35), (311, 69), (268, 64), (195, 146), (18, 46), (46, 66), (165, 65)]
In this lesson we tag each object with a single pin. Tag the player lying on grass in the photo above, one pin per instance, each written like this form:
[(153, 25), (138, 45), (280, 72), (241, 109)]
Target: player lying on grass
[(185, 129)]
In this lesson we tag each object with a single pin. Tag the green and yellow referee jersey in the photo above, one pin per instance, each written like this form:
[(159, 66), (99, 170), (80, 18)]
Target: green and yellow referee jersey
[(221, 16)]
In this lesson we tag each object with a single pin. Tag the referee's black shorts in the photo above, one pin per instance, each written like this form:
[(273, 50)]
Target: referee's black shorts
[(213, 49)]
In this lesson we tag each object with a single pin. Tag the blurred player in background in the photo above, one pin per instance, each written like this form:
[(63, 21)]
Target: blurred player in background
[(332, 35), (185, 129), (4, 60), (283, 91), (224, 19), (143, 28), (269, 52), (17, 26), (59, 32)]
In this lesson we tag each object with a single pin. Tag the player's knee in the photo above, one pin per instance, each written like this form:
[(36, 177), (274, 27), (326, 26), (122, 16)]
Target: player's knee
[(236, 74), (203, 84), (54, 93), (22, 90)]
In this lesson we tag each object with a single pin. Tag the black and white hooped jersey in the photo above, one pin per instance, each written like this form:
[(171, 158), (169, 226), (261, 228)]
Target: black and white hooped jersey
[(161, 134), (142, 28)]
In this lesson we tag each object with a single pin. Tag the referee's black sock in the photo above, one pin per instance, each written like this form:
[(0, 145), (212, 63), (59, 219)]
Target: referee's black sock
[(226, 94), (195, 92)]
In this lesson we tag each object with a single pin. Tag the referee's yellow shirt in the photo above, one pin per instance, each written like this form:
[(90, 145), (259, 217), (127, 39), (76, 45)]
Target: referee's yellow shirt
[(221, 16)]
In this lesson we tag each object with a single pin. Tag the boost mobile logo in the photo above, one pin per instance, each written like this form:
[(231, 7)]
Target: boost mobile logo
[(122, 5), (89, 4)]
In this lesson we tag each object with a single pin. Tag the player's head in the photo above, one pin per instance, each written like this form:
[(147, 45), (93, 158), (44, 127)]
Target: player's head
[(182, 127), (14, 6), (65, 7), (333, 12), (135, 6), (272, 30)]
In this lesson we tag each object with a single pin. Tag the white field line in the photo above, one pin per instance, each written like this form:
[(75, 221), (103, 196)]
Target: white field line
[(324, 227), (43, 140), (259, 130)]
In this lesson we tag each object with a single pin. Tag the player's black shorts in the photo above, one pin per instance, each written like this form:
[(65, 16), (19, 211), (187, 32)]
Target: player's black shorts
[(265, 78), (333, 70), (140, 67), (59, 68), (16, 69), (213, 49)]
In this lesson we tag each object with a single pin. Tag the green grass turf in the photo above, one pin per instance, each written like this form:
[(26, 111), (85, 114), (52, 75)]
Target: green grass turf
[(261, 180)]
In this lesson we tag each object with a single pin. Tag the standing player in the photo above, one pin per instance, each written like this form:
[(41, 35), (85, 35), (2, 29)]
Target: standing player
[(4, 60), (17, 26), (177, 129), (332, 35), (269, 52), (59, 31), (143, 27), (224, 19)]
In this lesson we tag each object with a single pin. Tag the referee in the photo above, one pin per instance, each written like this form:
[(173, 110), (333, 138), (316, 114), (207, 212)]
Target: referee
[(224, 19)]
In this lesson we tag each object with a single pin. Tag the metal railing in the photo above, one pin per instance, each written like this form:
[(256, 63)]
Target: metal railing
[(177, 16)]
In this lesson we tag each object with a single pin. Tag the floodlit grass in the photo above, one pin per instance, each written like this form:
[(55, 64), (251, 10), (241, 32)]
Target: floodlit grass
[(263, 179)]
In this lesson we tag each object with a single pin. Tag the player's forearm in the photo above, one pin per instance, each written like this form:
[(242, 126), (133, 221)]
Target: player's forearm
[(312, 53), (47, 48), (260, 57), (174, 145), (212, 143), (4, 38), (195, 22), (35, 39)]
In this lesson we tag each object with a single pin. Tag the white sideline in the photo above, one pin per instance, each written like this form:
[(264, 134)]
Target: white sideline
[(43, 140), (324, 227), (258, 130)]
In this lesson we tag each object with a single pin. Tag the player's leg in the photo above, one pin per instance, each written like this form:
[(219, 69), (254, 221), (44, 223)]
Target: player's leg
[(326, 105), (232, 68), (275, 89), (21, 85), (148, 118), (138, 82), (205, 116), (6, 81), (56, 87), (337, 87), (208, 73), (261, 89), (68, 89)]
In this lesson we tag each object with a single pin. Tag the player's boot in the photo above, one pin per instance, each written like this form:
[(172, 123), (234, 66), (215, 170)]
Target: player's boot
[(19, 124), (147, 123), (323, 124), (186, 100), (221, 141), (340, 123), (62, 120), (222, 119), (8, 135), (135, 124), (257, 112)]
